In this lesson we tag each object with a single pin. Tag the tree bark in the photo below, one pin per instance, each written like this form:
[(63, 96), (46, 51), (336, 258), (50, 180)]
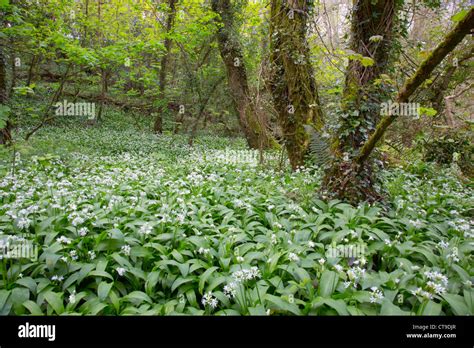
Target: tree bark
[(5, 134), (158, 126), (292, 80), (369, 19), (253, 126), (372, 34)]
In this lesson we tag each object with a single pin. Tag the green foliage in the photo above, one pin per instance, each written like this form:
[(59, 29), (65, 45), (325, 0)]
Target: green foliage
[(4, 115), (451, 147), (130, 223)]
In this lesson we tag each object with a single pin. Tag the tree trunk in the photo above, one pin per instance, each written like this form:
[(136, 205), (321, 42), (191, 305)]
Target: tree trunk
[(31, 70), (372, 33), (158, 126), (5, 135), (292, 80), (253, 126), (369, 19), (103, 94)]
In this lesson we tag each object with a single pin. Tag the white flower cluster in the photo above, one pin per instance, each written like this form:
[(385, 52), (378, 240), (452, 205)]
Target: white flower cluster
[(73, 255), (204, 251), (463, 226), (246, 274), (416, 223), (354, 274), (126, 249), (436, 284), (293, 257), (23, 223), (230, 289), (274, 239), (209, 300), (72, 297), (376, 295), (83, 231), (454, 254), (145, 229), (63, 240), (57, 278)]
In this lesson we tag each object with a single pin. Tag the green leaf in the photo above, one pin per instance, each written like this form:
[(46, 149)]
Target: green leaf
[(138, 297), (178, 282), (215, 282), (469, 299), (33, 307), (100, 274), (27, 282), (259, 310), (278, 303), (204, 277), (339, 305), (431, 308), (457, 304), (103, 290), (151, 281), (55, 301), (388, 308), (4, 294), (328, 283)]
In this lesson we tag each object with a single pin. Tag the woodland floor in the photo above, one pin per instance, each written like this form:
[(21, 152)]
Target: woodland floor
[(127, 222)]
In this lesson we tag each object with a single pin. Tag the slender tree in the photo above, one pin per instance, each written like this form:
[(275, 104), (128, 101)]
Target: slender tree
[(253, 126), (158, 126), (5, 135)]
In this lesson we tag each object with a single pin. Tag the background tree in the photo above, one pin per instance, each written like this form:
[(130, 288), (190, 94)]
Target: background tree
[(292, 81), (253, 123)]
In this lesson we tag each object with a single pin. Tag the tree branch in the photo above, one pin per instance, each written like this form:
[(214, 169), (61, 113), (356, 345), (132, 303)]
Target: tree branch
[(462, 29)]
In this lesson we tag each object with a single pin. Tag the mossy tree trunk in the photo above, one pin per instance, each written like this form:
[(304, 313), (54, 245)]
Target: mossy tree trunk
[(158, 125), (253, 124), (292, 79), (5, 135), (372, 35), (349, 185)]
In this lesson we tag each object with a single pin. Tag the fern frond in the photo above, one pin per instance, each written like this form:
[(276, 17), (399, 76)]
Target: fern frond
[(319, 147)]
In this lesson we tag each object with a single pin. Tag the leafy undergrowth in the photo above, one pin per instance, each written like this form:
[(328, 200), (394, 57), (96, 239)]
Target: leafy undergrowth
[(131, 223)]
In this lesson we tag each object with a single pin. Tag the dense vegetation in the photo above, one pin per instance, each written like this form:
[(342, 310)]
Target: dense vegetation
[(237, 162)]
